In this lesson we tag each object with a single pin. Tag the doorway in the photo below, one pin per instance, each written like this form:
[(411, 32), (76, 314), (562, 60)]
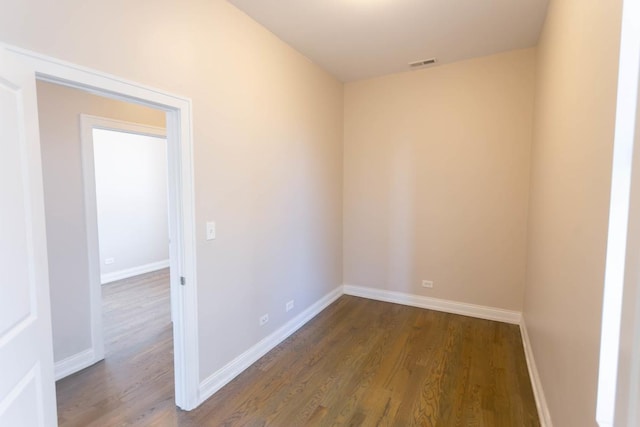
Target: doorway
[(25, 343), (126, 202), (105, 187), (181, 195), (106, 204)]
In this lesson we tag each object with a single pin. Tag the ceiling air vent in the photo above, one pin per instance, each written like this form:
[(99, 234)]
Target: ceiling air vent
[(422, 63)]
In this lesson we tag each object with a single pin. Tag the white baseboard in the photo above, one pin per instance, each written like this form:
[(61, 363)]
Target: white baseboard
[(74, 363), (541, 402), (232, 369), (472, 310), (134, 271)]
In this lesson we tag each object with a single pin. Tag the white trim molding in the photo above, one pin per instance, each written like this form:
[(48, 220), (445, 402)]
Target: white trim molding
[(232, 369), (74, 363), (536, 384), (618, 398), (133, 271), (454, 307)]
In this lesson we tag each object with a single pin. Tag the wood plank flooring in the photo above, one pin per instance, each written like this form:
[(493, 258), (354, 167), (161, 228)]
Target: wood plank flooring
[(137, 373), (358, 363)]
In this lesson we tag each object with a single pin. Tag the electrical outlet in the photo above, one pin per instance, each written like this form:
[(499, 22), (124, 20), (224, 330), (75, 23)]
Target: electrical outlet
[(264, 319), (108, 261), (289, 306), (427, 284)]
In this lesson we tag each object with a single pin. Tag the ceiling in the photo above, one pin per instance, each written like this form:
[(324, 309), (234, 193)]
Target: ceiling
[(359, 39)]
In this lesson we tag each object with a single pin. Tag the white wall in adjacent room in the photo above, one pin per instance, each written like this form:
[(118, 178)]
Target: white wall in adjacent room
[(131, 196)]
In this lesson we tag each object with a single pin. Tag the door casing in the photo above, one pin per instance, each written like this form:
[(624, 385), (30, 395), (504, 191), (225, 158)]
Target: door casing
[(181, 195)]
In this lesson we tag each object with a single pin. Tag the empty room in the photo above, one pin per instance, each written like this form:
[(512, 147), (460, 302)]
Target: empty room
[(378, 212)]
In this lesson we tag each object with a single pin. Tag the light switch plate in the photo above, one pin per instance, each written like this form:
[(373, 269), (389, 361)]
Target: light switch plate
[(211, 230)]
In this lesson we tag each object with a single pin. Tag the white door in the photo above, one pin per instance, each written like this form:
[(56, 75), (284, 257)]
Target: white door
[(27, 388)]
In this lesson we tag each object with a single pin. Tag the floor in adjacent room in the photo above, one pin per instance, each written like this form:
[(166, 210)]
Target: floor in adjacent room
[(359, 362)]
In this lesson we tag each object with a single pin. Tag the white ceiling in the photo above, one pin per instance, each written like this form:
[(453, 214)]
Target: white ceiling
[(357, 39)]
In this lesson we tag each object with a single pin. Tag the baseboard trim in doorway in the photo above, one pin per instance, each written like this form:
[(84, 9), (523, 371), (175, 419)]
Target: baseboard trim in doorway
[(74, 363), (232, 369), (447, 306), (536, 384), (133, 271)]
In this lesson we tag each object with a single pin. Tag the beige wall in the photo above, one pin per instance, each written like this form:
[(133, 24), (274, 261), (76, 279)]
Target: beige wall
[(59, 109), (436, 180), (268, 146), (570, 183)]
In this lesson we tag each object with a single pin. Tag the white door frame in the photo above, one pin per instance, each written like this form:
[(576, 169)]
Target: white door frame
[(619, 370), (87, 124), (180, 159)]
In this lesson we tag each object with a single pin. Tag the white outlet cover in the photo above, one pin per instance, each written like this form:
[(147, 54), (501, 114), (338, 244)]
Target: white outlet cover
[(427, 284), (264, 319), (108, 261), (289, 305)]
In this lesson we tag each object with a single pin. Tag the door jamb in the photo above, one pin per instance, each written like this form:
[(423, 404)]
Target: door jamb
[(619, 366)]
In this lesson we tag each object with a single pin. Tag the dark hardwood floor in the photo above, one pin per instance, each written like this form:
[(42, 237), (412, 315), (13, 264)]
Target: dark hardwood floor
[(136, 375), (358, 363)]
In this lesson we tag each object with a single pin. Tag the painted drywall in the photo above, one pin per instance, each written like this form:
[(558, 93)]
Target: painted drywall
[(59, 110), (131, 200), (577, 64), (436, 180), (267, 127)]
